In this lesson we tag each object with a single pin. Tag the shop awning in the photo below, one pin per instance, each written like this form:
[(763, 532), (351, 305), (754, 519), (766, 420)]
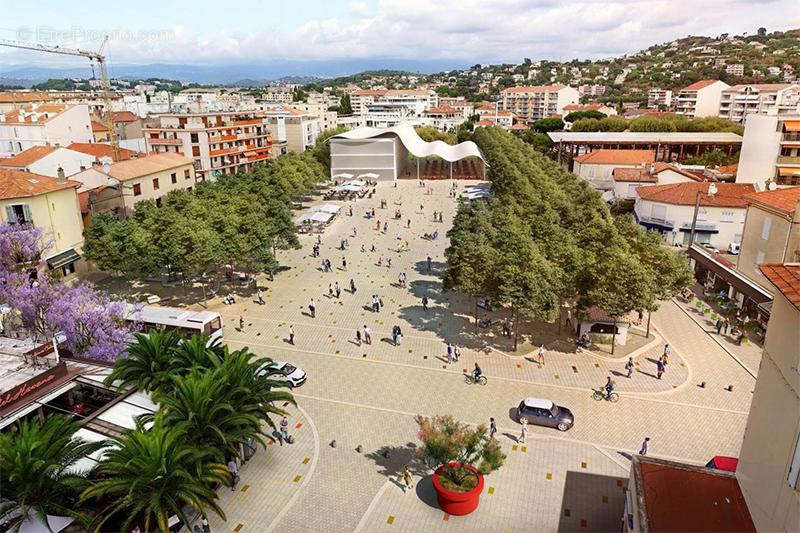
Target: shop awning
[(785, 171), (63, 258), (792, 125), (731, 276)]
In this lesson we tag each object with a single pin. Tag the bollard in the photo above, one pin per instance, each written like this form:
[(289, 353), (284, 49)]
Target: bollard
[(729, 388), (702, 384), (333, 443), (358, 448)]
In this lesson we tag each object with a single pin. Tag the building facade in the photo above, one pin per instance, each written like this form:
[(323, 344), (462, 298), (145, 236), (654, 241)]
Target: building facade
[(535, 102), (150, 177), (43, 125), (741, 100), (659, 98), (47, 160), (770, 150), (700, 99)]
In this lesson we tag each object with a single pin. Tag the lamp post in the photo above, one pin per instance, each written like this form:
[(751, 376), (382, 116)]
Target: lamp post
[(712, 190), (59, 336)]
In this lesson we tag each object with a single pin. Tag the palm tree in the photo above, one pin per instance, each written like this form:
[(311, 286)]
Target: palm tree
[(147, 366), (149, 476), (198, 352), (37, 475)]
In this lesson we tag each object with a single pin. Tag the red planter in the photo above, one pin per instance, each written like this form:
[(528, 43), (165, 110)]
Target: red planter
[(457, 503)]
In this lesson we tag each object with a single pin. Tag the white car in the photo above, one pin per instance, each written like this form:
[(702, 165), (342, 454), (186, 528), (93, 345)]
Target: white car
[(288, 373)]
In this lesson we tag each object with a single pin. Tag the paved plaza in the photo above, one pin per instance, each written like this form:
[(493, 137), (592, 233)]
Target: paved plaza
[(367, 394)]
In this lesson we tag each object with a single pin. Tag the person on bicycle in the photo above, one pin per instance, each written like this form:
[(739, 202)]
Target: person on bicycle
[(476, 373), (609, 387)]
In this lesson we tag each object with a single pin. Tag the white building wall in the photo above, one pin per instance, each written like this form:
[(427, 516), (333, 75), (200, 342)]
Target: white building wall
[(760, 150), (708, 99), (565, 97), (728, 221), (70, 160), (70, 126)]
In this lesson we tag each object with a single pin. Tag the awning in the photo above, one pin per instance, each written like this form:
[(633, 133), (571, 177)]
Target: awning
[(792, 125), (64, 258), (784, 171), (731, 276)]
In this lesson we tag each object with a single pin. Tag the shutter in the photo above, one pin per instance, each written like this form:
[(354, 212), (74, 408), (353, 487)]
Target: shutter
[(765, 229), (10, 215), (794, 469), (26, 212)]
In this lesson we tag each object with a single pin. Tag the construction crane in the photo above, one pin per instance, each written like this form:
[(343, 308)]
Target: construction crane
[(92, 56)]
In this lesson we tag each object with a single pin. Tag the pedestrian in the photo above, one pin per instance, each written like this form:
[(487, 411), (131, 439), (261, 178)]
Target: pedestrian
[(377, 225), (388, 262), (540, 355), (421, 209), (457, 353), (330, 290), (665, 360), (367, 334), (291, 334), (358, 336), (312, 308), (234, 470), (362, 248), (337, 289), (424, 302), (492, 428), (355, 232), (429, 263), (394, 335), (350, 210), (375, 303), (204, 524), (241, 323), (524, 422), (718, 325), (260, 297), (408, 223), (629, 366), (666, 349), (645, 445), (352, 286), (372, 249), (399, 336), (660, 368), (285, 429), (407, 479), (344, 264), (449, 353), (380, 261), (725, 326), (385, 227), (319, 239)]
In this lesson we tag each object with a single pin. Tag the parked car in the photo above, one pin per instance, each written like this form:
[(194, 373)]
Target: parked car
[(287, 373), (545, 413), (733, 248)]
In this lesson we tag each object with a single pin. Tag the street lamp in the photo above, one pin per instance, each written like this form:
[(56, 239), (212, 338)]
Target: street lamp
[(59, 336), (712, 190)]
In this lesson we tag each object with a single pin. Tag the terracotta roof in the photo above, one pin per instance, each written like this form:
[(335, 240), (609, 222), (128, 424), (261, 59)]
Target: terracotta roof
[(20, 184), (24, 115), (618, 157), (25, 158), (728, 169), (584, 107), (149, 164), (22, 97), (485, 122), (786, 279), (369, 92), (534, 88), (662, 166), (633, 175), (783, 200), (124, 116), (696, 86), (728, 194), (96, 126), (102, 150), (443, 110), (519, 126)]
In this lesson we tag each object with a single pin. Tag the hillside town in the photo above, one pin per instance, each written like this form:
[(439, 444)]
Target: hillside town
[(545, 296)]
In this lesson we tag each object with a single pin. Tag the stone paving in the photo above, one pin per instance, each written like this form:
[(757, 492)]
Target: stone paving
[(369, 394)]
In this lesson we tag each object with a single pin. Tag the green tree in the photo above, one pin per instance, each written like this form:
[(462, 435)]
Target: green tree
[(345, 107), (544, 125), (577, 115), (37, 474), (322, 149)]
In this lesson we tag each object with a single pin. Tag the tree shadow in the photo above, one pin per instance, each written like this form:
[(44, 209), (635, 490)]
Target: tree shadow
[(390, 460), (437, 267)]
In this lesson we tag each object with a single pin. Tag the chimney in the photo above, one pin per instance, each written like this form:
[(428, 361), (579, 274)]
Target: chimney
[(61, 177)]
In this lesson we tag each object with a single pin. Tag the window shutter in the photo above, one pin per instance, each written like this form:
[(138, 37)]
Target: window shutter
[(26, 212), (765, 229), (10, 215)]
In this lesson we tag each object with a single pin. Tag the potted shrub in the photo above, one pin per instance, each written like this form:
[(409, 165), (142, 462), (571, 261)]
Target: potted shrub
[(462, 455)]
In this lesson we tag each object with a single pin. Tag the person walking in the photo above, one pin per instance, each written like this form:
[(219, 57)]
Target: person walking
[(204, 524), (367, 334), (260, 296), (424, 302), (629, 366), (352, 286), (407, 479), (312, 308), (492, 428), (337, 289), (358, 337), (344, 264), (291, 334), (457, 353), (330, 290), (660, 368), (429, 263), (399, 340), (524, 422), (285, 430), (666, 349), (645, 445), (725, 326), (540, 355), (241, 323), (718, 325), (234, 470), (408, 223), (665, 360)]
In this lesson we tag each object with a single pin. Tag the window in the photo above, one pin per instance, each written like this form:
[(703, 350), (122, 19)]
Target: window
[(174, 177), (196, 151), (794, 469), (759, 257), (727, 216), (658, 212), (19, 214), (68, 269), (155, 184), (137, 189), (194, 138), (702, 214), (765, 228), (186, 174)]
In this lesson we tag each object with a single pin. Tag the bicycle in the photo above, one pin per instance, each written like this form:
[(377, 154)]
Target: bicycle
[(600, 394), (470, 378)]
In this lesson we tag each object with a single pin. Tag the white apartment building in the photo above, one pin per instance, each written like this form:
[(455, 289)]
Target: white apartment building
[(740, 100), (535, 102), (770, 150), (591, 90), (659, 97), (219, 143), (735, 69), (328, 120), (415, 101), (444, 118), (700, 99), (276, 94), (43, 125), (298, 129)]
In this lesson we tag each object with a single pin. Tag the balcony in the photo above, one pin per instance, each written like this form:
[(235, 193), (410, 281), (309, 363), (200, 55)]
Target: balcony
[(788, 160), (792, 136), (170, 142)]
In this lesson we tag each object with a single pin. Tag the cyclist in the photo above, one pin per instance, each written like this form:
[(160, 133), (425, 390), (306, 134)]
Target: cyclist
[(476, 373), (609, 387)]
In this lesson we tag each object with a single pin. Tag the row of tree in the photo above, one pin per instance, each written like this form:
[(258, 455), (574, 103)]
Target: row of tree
[(662, 123), (213, 403), (547, 239), (235, 223)]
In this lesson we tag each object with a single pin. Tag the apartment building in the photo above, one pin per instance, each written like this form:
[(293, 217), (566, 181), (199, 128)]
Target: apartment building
[(127, 125), (535, 102), (741, 100), (735, 69), (444, 117), (591, 90), (48, 160), (219, 143), (328, 120), (770, 150), (769, 461), (659, 98), (43, 125), (297, 129), (48, 203), (700, 99), (414, 101)]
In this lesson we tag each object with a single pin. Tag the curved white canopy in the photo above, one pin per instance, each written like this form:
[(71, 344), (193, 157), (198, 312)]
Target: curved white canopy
[(415, 144)]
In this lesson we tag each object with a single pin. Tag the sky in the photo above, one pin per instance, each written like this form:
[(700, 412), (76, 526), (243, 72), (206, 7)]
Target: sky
[(465, 31)]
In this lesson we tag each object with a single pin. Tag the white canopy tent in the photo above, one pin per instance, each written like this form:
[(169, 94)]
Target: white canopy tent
[(369, 176), (342, 176), (325, 208), (321, 216)]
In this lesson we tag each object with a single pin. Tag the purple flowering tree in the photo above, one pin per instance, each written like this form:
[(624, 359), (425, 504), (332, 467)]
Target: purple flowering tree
[(94, 325)]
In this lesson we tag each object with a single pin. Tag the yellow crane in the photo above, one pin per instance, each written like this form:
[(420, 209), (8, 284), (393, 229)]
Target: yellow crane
[(92, 56)]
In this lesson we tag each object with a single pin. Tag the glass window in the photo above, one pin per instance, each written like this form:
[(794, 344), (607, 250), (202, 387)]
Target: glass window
[(759, 257), (765, 228), (174, 177), (186, 174), (155, 183), (137, 189)]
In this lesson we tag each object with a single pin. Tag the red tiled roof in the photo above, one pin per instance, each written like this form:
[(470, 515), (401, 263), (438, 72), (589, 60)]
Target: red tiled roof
[(21, 97), (443, 110), (20, 184), (662, 166), (143, 166), (633, 175), (728, 194), (696, 86), (618, 157), (783, 200), (45, 112), (124, 116), (102, 150), (728, 169), (25, 158), (519, 126), (584, 107), (786, 279), (96, 126), (534, 89), (485, 122)]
